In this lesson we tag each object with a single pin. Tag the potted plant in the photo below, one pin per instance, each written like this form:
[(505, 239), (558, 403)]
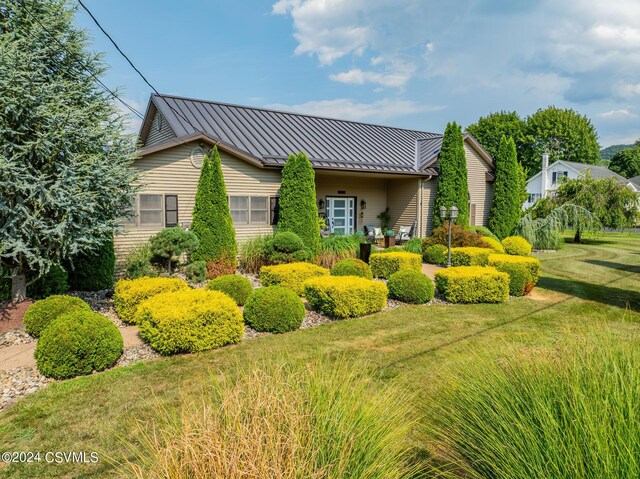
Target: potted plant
[(389, 239)]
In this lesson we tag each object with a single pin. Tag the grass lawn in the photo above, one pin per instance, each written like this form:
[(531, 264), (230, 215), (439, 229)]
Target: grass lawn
[(584, 289)]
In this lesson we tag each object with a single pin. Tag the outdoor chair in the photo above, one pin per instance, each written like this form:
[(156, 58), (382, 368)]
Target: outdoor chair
[(373, 233), (405, 233)]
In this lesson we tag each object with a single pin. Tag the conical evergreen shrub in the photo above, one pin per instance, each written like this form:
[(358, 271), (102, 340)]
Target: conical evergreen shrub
[(506, 205)]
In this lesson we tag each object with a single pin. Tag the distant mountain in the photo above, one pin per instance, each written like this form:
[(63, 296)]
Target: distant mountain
[(609, 151)]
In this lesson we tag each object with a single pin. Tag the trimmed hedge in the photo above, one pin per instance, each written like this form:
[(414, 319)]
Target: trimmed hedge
[(493, 244), (470, 256), (235, 286), (346, 296), (41, 313), (473, 284), (435, 254), (93, 271), (189, 321), (76, 344), (383, 265), (274, 309), (516, 245), (532, 264), (129, 293), (520, 281), (410, 287), (290, 275), (287, 242), (352, 267)]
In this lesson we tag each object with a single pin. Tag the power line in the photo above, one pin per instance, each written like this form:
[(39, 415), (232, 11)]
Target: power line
[(95, 20), (83, 66)]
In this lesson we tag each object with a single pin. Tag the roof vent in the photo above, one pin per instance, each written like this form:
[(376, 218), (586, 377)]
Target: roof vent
[(197, 157)]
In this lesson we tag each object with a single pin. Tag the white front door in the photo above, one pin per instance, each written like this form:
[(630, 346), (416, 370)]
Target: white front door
[(340, 215)]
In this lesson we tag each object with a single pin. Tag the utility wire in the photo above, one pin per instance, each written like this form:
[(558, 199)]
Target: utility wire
[(83, 66), (95, 20)]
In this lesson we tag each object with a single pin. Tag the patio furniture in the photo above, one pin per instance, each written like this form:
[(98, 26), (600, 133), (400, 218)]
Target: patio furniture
[(405, 233), (373, 233)]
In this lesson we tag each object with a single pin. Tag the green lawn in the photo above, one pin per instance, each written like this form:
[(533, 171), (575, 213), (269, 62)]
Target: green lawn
[(584, 289)]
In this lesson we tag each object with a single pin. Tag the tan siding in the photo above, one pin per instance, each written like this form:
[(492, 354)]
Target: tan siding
[(428, 199), (159, 135), (480, 191), (372, 190), (402, 196)]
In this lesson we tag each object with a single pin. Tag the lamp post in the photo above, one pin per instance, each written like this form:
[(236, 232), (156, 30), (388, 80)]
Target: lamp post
[(451, 214)]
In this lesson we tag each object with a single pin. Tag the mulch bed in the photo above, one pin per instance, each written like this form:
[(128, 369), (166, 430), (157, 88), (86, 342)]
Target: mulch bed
[(11, 315)]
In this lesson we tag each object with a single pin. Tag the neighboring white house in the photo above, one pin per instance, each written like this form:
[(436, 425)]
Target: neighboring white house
[(546, 181)]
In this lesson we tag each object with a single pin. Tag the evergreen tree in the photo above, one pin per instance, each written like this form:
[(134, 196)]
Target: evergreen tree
[(506, 205), (93, 271), (65, 162), (452, 188), (212, 222), (298, 207)]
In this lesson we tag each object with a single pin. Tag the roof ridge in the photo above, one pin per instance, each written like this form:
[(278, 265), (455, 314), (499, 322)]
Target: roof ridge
[(236, 105)]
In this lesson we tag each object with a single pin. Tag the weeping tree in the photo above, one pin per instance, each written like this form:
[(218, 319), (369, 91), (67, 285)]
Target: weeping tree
[(65, 162)]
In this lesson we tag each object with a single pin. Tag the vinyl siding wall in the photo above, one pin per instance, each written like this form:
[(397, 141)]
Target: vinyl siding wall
[(159, 135), (402, 198), (428, 199), (480, 190)]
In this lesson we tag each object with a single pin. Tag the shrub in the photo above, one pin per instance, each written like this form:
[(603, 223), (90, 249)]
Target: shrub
[(290, 275), (384, 265), (495, 245), (281, 421), (129, 293), (460, 237), (287, 242), (410, 287), (138, 262), (195, 272), (5, 283), (221, 266), (235, 286), (352, 267), (516, 245), (435, 254), (78, 343), (532, 264), (484, 231), (470, 256), (298, 209), (41, 313), (392, 249), (562, 414), (189, 321), (473, 284), (520, 280), (170, 243), (345, 296), (414, 245), (506, 205), (212, 222), (337, 247), (274, 309), (252, 254), (53, 282), (93, 271)]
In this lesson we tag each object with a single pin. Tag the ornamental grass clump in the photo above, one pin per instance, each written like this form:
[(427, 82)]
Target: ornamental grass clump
[(473, 284), (352, 267), (274, 309), (41, 313), (384, 265), (410, 287), (290, 275), (345, 296), (235, 286), (337, 247), (283, 421), (189, 321), (129, 293), (570, 413)]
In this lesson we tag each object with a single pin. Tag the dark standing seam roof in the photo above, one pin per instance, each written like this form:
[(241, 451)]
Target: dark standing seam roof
[(329, 143)]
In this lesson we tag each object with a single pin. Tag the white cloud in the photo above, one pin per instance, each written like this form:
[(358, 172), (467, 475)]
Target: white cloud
[(620, 114), (349, 110), (396, 73)]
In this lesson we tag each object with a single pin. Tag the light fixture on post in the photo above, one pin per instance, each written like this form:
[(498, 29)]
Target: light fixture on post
[(363, 205), (451, 215), (321, 204)]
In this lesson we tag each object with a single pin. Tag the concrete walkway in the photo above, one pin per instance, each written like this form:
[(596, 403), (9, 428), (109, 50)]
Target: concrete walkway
[(21, 355), (430, 269)]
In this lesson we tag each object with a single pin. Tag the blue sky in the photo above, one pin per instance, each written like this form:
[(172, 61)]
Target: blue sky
[(411, 63)]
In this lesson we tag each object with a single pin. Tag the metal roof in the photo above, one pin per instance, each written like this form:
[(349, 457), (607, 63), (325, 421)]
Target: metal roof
[(271, 135)]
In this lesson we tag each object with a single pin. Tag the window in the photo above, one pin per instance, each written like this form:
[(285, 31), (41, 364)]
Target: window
[(533, 197), (274, 206), (250, 210), (171, 210), (150, 210), (557, 175)]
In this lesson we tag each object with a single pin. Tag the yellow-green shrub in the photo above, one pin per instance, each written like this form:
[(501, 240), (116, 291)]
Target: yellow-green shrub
[(492, 243), (346, 296), (383, 265), (290, 275), (469, 256), (189, 320), (473, 284), (516, 245), (129, 293), (532, 264)]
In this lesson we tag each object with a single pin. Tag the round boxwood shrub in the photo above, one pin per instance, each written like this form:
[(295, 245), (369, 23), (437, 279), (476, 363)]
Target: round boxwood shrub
[(435, 254), (41, 313), (352, 267), (235, 286), (287, 242), (129, 293), (76, 344), (516, 245), (410, 286), (274, 309)]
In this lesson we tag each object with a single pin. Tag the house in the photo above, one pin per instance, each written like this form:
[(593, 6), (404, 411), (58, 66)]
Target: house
[(547, 180), (361, 169)]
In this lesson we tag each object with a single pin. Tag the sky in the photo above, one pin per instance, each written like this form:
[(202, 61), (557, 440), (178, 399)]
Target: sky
[(407, 63)]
